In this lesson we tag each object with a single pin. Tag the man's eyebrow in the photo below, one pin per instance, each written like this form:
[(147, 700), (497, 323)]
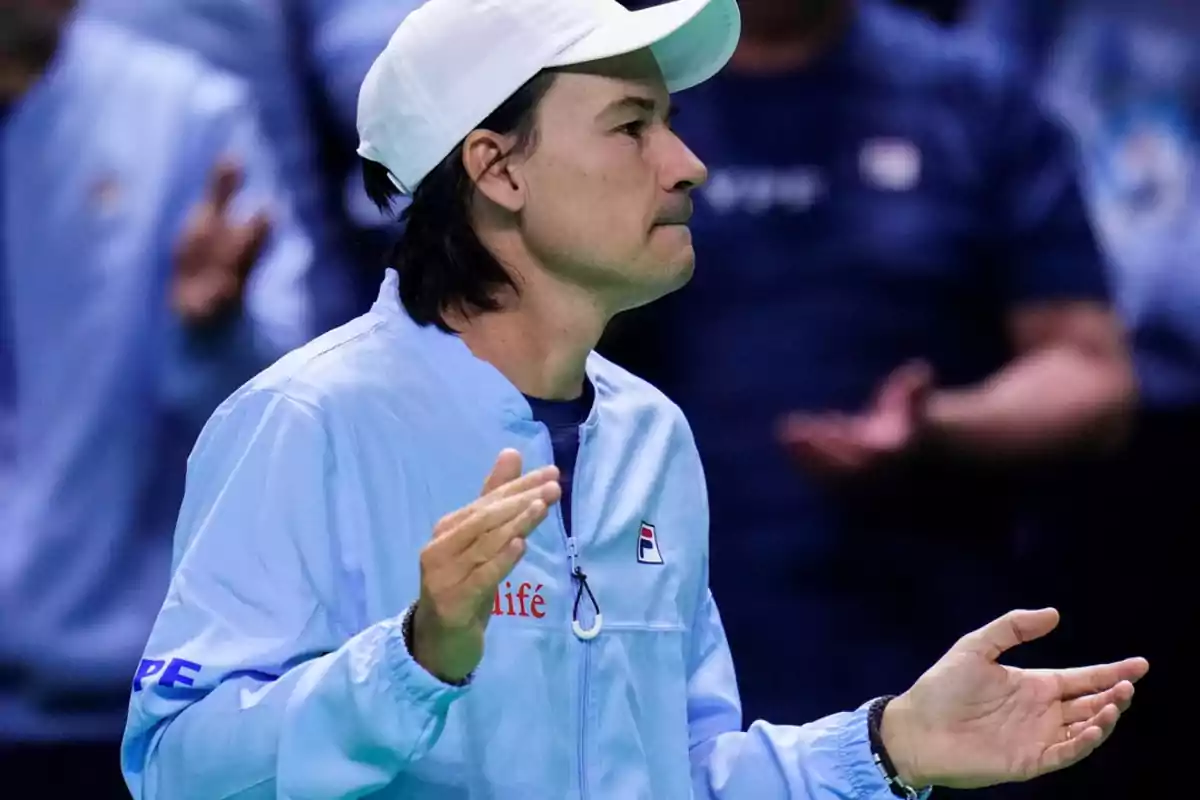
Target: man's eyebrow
[(634, 102)]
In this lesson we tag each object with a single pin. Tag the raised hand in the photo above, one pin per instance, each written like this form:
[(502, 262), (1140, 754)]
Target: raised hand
[(971, 722), (215, 255), (837, 444), (472, 551)]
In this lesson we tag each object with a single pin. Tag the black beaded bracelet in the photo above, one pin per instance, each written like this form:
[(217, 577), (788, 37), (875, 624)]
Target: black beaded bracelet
[(880, 754), (406, 631)]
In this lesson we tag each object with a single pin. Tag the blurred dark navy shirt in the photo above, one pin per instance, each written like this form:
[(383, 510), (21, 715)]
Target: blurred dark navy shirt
[(897, 199)]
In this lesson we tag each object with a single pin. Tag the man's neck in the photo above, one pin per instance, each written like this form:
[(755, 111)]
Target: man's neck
[(541, 339), (779, 38)]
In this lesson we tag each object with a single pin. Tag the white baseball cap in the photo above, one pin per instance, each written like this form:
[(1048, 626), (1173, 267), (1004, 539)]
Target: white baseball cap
[(451, 63)]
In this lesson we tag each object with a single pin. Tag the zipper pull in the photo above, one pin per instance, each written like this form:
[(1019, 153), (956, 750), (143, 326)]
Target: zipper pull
[(582, 633), (573, 554)]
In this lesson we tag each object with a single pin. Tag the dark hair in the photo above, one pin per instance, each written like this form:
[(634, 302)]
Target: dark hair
[(439, 258)]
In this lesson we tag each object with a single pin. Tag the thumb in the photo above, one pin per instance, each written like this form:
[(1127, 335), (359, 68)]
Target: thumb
[(906, 383), (506, 469), (223, 182), (1005, 633)]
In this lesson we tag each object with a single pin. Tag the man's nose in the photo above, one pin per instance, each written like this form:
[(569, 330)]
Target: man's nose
[(686, 170)]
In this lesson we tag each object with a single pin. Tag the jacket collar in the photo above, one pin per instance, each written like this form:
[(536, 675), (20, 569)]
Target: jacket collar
[(476, 381)]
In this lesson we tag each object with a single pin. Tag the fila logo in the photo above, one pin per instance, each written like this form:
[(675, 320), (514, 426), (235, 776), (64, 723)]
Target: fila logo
[(648, 552)]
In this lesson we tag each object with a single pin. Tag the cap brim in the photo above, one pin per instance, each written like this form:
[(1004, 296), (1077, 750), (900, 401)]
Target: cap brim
[(691, 39)]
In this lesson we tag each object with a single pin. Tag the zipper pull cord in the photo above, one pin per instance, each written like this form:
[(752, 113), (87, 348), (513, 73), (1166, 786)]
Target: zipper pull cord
[(581, 632)]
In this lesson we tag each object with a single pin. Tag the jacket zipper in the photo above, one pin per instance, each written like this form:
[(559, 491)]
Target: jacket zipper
[(585, 661), (583, 704)]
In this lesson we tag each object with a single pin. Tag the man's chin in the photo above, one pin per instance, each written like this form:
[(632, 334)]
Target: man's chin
[(672, 277), (687, 268)]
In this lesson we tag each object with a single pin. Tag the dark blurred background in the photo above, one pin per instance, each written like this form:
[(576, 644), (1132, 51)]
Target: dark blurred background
[(941, 354)]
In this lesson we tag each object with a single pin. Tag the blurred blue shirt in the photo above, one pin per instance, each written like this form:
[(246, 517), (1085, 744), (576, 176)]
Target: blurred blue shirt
[(102, 162), (1126, 77), (263, 42), (285, 51)]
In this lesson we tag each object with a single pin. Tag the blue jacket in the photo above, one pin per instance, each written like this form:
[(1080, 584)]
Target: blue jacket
[(277, 667)]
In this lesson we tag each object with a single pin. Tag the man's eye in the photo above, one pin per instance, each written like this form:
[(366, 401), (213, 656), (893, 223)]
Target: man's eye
[(634, 129)]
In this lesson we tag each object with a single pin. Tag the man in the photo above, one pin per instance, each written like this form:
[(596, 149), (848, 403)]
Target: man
[(149, 265), (556, 637), (901, 314)]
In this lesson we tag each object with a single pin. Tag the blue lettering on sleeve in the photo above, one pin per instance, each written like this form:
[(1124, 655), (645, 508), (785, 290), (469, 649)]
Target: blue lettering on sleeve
[(173, 674), (147, 669)]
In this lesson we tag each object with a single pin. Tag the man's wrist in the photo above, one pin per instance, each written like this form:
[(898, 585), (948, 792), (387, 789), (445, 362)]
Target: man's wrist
[(899, 736), (418, 639)]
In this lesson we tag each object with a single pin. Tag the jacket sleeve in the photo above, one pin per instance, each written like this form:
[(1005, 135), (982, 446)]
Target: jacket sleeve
[(252, 686), (829, 759)]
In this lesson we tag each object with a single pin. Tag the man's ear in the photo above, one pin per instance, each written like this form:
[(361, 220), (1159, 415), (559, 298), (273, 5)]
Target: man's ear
[(487, 160)]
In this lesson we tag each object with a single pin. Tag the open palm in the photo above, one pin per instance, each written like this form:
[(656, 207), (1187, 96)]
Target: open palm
[(971, 722)]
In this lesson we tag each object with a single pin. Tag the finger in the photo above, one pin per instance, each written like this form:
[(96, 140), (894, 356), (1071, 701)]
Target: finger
[(884, 433), (1105, 719), (223, 182), (842, 450), (487, 577), (822, 443), (484, 575), (506, 469), (1082, 740), (490, 546), (1084, 708), (1072, 751), (1010, 630), (529, 480), (475, 519), (450, 559), (1102, 677), (490, 517), (252, 238), (917, 375), (904, 382)]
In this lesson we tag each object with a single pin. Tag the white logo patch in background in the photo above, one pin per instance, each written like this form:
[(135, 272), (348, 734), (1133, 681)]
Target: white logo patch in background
[(891, 164)]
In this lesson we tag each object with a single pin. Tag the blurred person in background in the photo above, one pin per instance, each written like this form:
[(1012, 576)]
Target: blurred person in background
[(898, 307), (303, 62), (342, 38), (149, 265), (1126, 78)]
